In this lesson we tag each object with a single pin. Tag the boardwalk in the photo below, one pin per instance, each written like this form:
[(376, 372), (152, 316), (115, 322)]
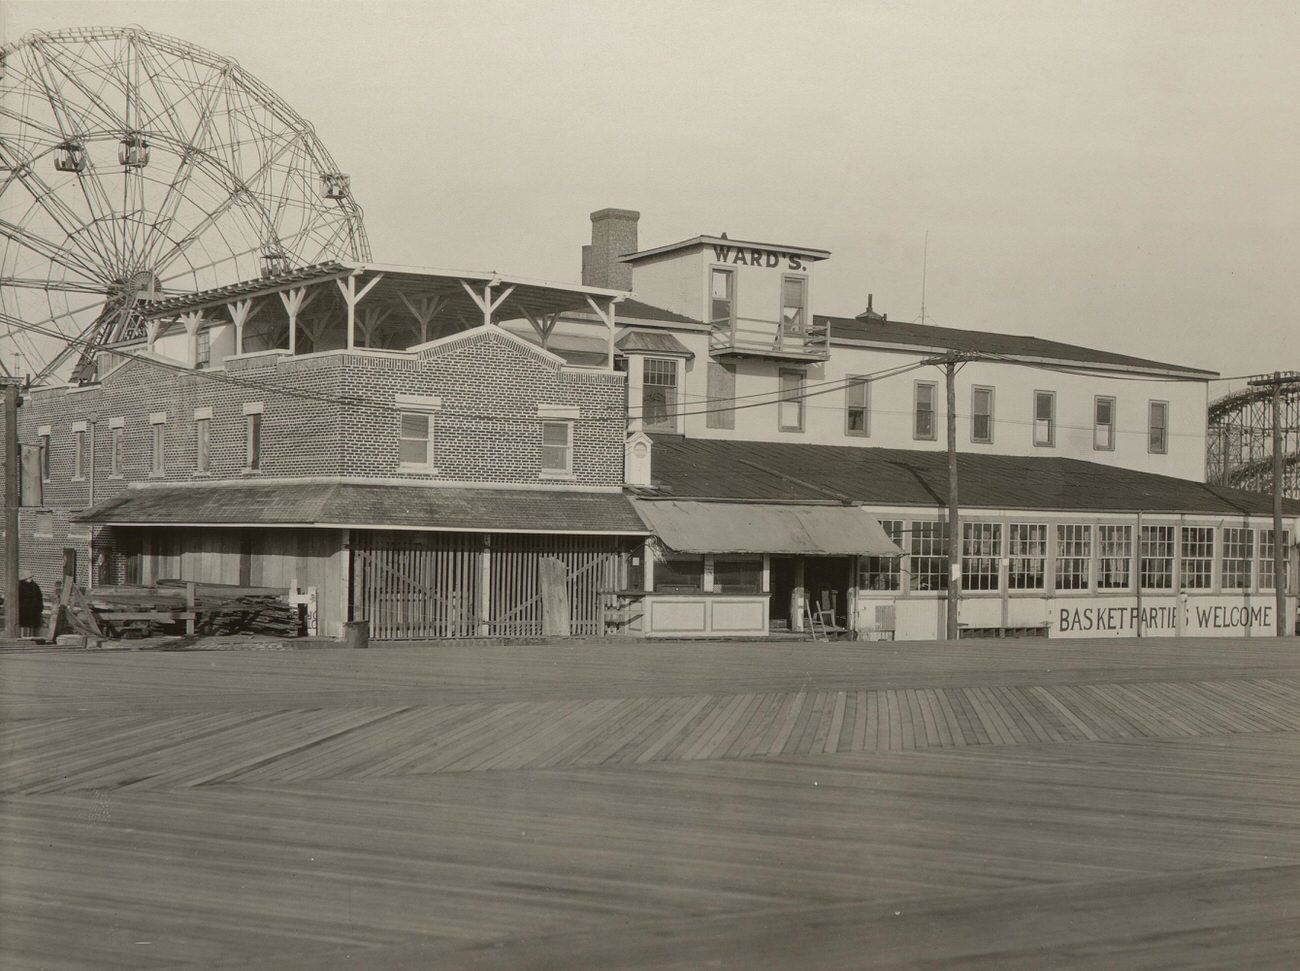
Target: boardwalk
[(1000, 805)]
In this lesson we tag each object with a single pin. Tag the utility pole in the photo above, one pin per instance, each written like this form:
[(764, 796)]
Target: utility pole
[(12, 478), (1276, 383), (949, 363), (954, 518)]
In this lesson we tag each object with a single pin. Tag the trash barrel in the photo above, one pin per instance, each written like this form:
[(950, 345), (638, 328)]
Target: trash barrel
[(356, 633)]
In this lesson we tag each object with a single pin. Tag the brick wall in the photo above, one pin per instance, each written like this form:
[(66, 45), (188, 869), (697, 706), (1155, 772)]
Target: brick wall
[(331, 414)]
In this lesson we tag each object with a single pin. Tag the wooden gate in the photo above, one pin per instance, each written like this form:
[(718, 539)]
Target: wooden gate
[(591, 565), (428, 585), (415, 585)]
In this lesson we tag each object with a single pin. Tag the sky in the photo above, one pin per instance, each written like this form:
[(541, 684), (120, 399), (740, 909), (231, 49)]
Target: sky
[(1121, 175)]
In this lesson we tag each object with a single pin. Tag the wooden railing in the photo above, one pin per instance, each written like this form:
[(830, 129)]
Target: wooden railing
[(748, 335)]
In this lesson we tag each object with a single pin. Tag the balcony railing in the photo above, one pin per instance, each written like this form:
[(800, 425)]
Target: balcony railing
[(747, 337)]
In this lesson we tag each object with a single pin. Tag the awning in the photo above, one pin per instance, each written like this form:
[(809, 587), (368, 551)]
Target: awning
[(370, 506), (757, 527)]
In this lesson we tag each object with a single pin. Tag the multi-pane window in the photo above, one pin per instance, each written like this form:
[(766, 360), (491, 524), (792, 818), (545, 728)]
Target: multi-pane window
[(253, 440), (1044, 418), (1103, 424), (659, 395), (202, 444), (857, 407), (115, 450), (1197, 560), (981, 550), (1073, 556), (723, 297), (1235, 558), (415, 439), (79, 454), (1266, 558), (737, 574), (923, 410), (794, 299), (1158, 427), (883, 572), (1114, 557), (680, 573), (203, 349), (157, 445), (929, 560), (722, 396), (1027, 548), (790, 407), (1156, 557), (981, 415), (557, 447)]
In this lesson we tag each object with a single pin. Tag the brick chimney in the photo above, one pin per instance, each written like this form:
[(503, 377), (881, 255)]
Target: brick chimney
[(613, 234)]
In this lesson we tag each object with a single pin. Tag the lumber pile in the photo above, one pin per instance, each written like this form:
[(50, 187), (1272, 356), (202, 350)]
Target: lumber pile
[(177, 606)]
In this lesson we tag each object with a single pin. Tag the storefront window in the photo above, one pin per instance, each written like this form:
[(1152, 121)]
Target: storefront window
[(1236, 557), (1198, 557), (680, 573), (1157, 557), (1266, 558), (929, 556), (883, 572), (1073, 556), (980, 552), (1114, 557), (738, 574), (1028, 554)]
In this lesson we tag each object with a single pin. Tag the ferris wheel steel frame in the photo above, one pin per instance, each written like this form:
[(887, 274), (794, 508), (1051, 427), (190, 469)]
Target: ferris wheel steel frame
[(135, 166)]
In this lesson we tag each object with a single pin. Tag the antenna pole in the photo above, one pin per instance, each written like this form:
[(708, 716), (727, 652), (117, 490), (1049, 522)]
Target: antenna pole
[(925, 263)]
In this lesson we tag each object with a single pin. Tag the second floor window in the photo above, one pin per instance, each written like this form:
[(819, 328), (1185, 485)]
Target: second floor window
[(202, 443), (857, 414), (157, 445), (722, 305), (794, 297), (79, 463), (557, 447), (1044, 418), (981, 415), (659, 395), (415, 440), (722, 396), (790, 407), (923, 411), (1158, 428), (203, 349), (253, 441), (1103, 425), (115, 450)]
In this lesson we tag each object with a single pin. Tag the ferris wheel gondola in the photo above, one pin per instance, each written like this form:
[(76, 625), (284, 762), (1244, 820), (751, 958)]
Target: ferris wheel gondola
[(135, 165)]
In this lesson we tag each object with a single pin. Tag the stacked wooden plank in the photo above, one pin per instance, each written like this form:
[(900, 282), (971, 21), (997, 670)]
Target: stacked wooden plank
[(176, 606)]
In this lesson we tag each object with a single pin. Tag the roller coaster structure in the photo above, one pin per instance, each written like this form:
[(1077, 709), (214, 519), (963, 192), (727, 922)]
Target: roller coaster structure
[(1239, 445)]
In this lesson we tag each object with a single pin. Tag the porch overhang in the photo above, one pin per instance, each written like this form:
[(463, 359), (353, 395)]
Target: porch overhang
[(691, 526), (350, 505)]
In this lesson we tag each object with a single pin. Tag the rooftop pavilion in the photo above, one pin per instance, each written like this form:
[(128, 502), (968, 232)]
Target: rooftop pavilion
[(350, 306)]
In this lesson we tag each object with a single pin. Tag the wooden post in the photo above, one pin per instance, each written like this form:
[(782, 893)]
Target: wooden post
[(12, 473), (191, 602), (484, 605), (954, 519), (552, 576)]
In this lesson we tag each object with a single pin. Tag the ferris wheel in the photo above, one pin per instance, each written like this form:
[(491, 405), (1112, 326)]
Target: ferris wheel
[(135, 166)]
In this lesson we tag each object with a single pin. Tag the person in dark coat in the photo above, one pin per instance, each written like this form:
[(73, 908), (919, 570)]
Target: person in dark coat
[(31, 605)]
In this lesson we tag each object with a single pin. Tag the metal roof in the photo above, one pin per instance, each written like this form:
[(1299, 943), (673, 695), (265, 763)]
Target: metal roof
[(652, 342), (365, 505)]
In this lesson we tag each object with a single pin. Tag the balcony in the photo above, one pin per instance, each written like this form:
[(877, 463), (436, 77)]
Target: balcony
[(770, 340)]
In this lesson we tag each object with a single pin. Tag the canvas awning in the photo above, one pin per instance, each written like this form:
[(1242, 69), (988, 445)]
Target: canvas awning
[(689, 526)]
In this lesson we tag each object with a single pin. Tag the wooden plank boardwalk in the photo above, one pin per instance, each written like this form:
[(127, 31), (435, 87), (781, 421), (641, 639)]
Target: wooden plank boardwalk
[(1006, 805)]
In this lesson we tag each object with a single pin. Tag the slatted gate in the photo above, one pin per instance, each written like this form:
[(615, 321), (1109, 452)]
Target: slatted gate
[(427, 585)]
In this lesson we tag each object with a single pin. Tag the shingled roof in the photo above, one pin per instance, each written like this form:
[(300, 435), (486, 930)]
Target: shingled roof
[(896, 332), (343, 504), (775, 471)]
